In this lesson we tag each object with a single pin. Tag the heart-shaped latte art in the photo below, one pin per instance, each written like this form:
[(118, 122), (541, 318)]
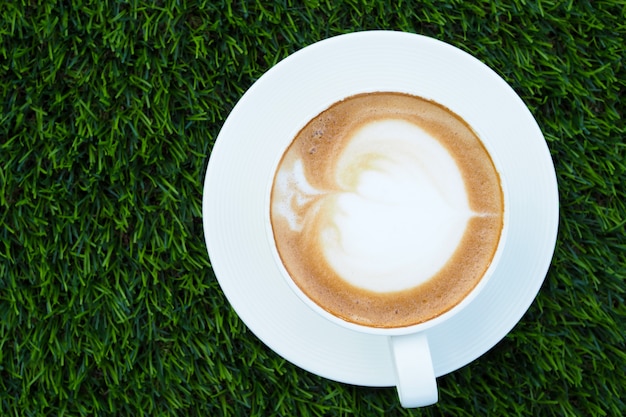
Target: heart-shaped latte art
[(395, 213)]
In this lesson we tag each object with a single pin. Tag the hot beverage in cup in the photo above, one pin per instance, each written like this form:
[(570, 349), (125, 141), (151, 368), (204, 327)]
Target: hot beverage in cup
[(386, 209)]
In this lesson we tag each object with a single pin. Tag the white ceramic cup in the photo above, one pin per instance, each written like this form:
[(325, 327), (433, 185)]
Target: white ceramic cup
[(409, 347)]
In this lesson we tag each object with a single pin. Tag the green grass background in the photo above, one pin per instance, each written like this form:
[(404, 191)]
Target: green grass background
[(108, 304)]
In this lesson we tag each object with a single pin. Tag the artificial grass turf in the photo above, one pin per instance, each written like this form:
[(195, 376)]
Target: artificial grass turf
[(108, 304)]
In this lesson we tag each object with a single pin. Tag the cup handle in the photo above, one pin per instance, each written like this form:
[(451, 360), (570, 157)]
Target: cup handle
[(415, 374)]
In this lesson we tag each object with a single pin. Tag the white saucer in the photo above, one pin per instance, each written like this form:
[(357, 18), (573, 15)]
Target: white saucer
[(266, 119)]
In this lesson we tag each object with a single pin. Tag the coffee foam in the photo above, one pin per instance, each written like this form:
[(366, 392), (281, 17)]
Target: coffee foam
[(371, 203)]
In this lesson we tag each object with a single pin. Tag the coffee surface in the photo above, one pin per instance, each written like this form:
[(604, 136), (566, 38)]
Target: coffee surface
[(386, 209)]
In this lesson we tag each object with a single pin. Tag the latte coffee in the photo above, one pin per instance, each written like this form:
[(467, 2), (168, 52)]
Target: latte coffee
[(386, 209)]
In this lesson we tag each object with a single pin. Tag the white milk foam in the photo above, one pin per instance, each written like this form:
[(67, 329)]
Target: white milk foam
[(401, 211)]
